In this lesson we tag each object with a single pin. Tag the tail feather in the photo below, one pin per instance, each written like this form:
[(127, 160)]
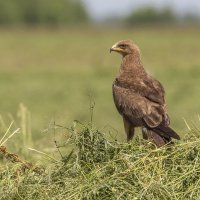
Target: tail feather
[(155, 138), (160, 135), (166, 132)]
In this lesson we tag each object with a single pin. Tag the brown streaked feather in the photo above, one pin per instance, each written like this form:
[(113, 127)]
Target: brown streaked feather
[(140, 98), (137, 108), (146, 86), (154, 137), (166, 131)]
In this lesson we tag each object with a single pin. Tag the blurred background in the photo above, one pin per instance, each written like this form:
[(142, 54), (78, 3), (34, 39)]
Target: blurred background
[(55, 61)]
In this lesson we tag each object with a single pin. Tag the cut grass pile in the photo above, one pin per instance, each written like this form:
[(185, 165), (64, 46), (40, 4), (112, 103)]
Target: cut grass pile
[(97, 168)]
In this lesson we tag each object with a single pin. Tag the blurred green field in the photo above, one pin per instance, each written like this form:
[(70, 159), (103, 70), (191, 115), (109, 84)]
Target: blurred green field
[(55, 73)]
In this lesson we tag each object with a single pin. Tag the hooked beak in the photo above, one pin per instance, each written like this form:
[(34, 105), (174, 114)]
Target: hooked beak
[(115, 48)]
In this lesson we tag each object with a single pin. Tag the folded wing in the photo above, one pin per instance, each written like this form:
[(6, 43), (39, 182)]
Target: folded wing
[(137, 108)]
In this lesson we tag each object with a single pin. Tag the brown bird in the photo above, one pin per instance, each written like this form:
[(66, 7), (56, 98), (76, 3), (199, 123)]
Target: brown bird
[(140, 98)]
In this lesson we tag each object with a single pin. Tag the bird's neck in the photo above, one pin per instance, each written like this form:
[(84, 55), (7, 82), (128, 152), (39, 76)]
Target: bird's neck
[(132, 64)]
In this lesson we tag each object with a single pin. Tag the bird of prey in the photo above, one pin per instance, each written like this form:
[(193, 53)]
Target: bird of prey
[(139, 98)]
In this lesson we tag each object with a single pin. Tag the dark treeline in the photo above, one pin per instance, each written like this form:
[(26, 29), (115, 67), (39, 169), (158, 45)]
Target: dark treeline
[(53, 12), (151, 15)]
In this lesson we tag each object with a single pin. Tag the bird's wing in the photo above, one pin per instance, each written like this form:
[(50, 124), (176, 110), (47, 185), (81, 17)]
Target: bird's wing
[(144, 86), (154, 91), (134, 106), (149, 88)]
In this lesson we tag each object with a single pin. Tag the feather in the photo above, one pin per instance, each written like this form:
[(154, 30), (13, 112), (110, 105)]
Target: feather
[(140, 98)]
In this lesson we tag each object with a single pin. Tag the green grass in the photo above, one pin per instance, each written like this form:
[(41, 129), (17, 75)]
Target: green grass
[(97, 168)]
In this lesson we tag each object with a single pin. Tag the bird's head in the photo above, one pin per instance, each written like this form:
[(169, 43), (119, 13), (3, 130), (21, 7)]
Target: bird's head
[(125, 47)]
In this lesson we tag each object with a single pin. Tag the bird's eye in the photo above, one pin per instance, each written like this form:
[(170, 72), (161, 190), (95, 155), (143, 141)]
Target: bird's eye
[(122, 46)]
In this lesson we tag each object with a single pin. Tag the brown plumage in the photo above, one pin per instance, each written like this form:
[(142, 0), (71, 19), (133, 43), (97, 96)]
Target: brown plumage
[(140, 98)]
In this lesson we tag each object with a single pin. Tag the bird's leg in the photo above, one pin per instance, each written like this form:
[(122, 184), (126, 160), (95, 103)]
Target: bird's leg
[(144, 133), (131, 133), (129, 129)]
